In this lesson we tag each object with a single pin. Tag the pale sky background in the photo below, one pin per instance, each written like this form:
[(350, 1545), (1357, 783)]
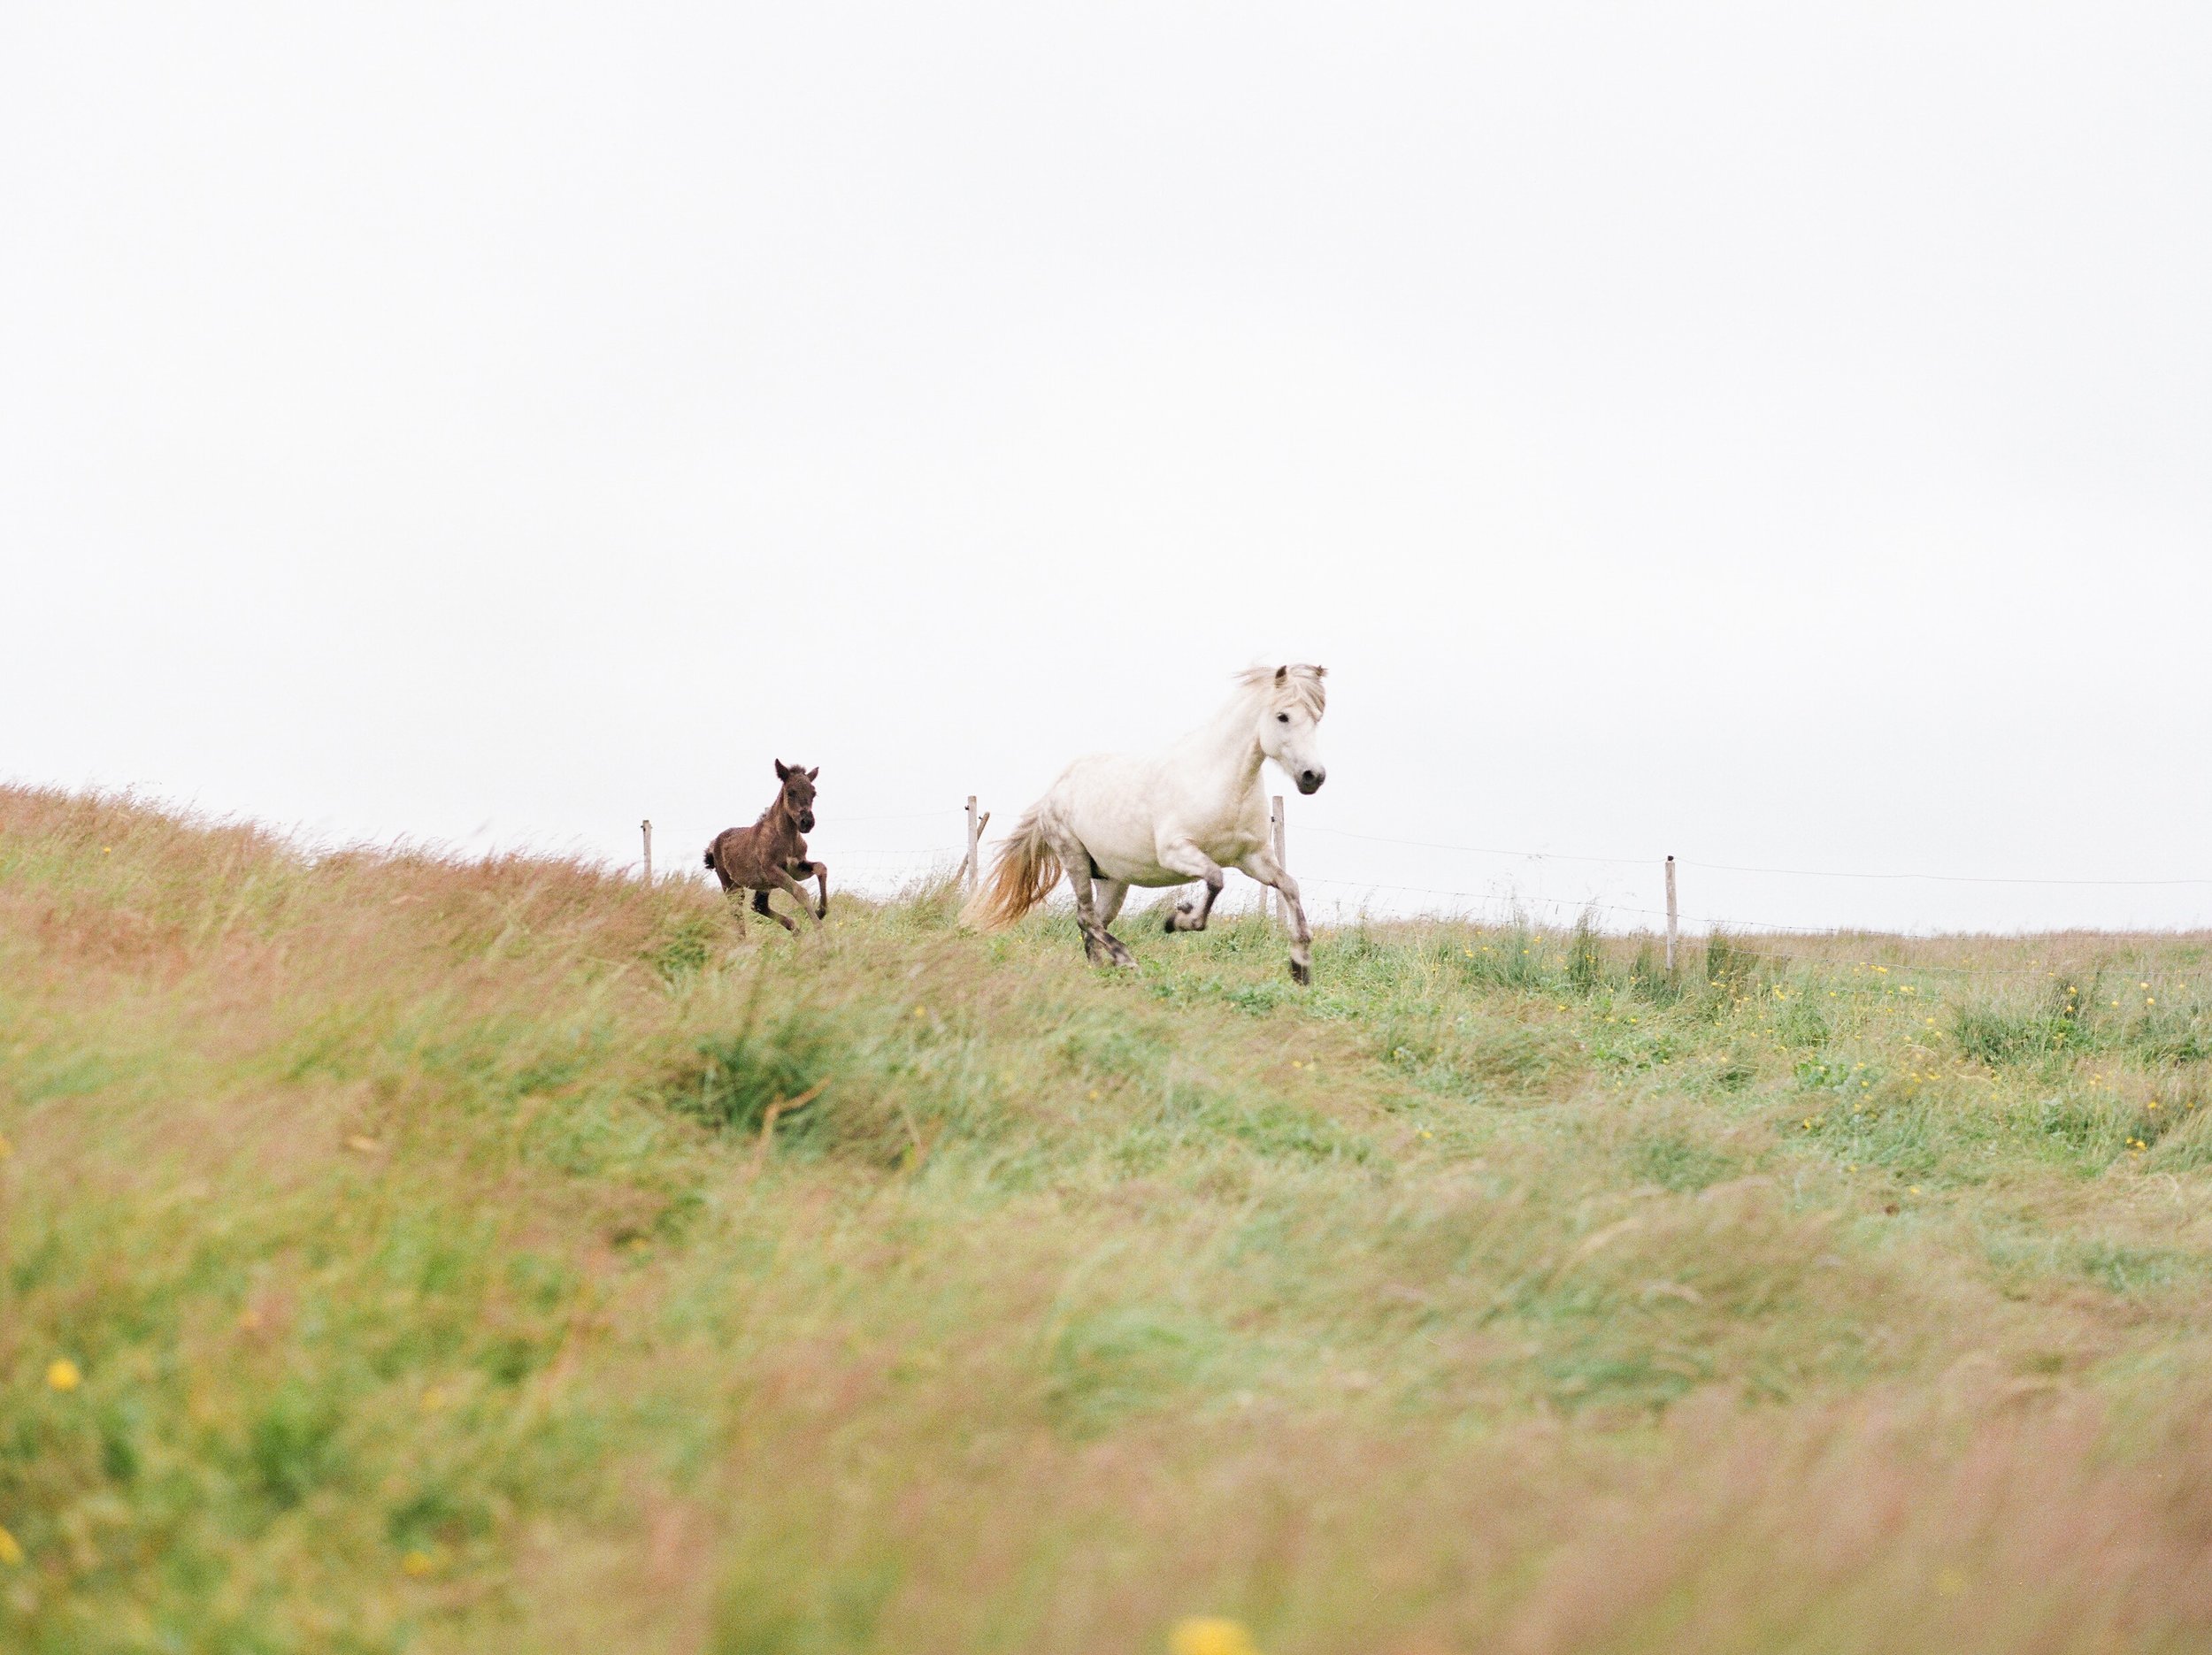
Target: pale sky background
[(1778, 435)]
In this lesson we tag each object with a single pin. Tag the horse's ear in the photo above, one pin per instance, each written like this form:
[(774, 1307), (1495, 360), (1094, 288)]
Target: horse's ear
[(1281, 673), (811, 774), (783, 772)]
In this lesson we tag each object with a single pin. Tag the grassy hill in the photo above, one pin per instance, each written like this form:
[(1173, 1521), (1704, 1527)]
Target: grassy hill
[(395, 1259)]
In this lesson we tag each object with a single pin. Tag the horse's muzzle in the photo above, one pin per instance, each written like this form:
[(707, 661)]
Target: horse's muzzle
[(806, 822), (1310, 781)]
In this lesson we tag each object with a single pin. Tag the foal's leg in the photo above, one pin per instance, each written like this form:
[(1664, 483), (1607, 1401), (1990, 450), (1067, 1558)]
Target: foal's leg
[(803, 870), (785, 882), (1262, 865), (760, 906), (1187, 858)]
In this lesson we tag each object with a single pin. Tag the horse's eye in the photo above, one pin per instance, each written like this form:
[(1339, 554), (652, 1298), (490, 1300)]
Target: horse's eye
[(1282, 719)]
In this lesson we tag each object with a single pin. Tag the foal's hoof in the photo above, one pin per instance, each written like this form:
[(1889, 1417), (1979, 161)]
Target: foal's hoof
[(1301, 973)]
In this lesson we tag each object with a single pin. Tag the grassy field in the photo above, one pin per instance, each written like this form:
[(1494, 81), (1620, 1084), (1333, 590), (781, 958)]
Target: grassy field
[(395, 1259)]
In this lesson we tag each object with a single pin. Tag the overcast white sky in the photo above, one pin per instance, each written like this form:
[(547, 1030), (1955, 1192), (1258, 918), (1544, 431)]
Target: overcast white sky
[(1778, 435)]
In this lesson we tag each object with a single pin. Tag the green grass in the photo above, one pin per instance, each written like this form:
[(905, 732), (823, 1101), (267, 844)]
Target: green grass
[(438, 1279)]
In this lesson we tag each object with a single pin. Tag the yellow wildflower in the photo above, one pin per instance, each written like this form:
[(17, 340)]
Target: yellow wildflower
[(1210, 1634), (64, 1374), (10, 1550), (417, 1564)]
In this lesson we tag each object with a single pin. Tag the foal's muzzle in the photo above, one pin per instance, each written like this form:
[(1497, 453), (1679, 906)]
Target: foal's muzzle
[(806, 820), (1310, 781)]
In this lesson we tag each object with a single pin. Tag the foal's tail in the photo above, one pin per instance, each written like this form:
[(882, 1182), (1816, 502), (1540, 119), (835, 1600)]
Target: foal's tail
[(1025, 870)]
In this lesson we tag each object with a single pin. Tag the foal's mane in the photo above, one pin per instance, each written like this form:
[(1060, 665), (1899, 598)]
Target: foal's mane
[(1300, 686)]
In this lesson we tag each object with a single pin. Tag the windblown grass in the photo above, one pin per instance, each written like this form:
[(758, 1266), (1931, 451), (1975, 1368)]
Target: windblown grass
[(431, 1285)]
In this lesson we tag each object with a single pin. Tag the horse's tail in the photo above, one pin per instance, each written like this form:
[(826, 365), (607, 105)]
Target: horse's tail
[(1025, 870), (710, 855)]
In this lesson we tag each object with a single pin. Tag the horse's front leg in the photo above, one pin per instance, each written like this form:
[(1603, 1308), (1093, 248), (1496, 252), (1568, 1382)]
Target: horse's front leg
[(818, 870), (1187, 858), (760, 906), (1261, 866), (797, 892)]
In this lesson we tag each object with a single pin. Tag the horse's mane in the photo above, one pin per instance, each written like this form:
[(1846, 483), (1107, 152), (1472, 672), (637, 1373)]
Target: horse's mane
[(1301, 685)]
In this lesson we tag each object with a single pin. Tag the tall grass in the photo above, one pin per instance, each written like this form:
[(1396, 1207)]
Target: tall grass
[(434, 1276)]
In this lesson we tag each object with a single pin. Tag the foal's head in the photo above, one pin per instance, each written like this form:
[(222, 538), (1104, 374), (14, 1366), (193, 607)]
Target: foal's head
[(797, 798), (1293, 700)]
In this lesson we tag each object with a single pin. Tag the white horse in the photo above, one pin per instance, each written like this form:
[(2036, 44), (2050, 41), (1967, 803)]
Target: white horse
[(1169, 819)]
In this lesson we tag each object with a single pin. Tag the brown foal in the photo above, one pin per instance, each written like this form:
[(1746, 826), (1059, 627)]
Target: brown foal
[(770, 855)]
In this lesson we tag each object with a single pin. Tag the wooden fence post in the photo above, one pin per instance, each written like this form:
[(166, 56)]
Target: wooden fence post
[(971, 868), (1669, 915), (1275, 820), (647, 826)]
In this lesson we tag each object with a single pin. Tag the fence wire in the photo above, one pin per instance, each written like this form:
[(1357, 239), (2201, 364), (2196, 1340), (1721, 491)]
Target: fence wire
[(933, 860)]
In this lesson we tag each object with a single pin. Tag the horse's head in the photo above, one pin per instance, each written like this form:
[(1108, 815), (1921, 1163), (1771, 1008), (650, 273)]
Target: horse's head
[(1290, 727), (798, 794)]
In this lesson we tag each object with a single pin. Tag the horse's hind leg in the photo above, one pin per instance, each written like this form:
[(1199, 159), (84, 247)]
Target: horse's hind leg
[(1101, 947), (1188, 859), (1111, 894), (760, 906), (1262, 865)]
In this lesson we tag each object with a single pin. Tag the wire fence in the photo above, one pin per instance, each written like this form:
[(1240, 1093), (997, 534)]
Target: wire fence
[(885, 870)]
